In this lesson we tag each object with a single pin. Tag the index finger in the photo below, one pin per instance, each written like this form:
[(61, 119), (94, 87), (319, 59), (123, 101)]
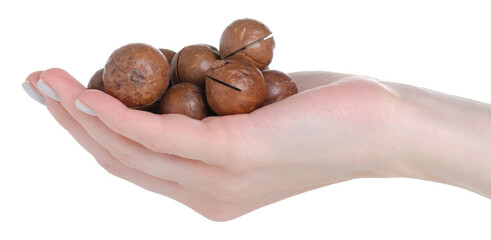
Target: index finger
[(171, 133)]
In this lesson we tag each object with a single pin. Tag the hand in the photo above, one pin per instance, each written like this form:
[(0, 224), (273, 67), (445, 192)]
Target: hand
[(224, 167), (339, 127)]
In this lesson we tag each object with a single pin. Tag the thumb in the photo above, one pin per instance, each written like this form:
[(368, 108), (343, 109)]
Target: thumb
[(312, 79)]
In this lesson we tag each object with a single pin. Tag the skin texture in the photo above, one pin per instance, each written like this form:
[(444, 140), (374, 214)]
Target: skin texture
[(191, 64), (186, 99), (278, 86), (96, 80), (247, 40), (234, 87), (136, 74), (338, 127)]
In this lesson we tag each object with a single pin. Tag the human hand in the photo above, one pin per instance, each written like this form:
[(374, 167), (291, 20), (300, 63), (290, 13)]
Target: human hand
[(224, 167)]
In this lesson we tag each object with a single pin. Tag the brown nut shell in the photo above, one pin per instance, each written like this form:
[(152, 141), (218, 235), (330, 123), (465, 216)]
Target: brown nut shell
[(136, 74), (169, 54), (191, 63), (187, 99), (247, 40), (155, 107), (234, 87), (96, 80), (174, 76), (278, 86)]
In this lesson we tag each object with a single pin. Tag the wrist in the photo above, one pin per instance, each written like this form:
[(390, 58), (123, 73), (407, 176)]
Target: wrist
[(439, 138)]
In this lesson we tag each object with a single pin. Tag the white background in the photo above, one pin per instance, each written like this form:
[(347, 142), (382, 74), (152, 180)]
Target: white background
[(52, 189)]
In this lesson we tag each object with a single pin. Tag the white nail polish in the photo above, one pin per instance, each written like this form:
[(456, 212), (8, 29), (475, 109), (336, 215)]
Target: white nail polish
[(82, 107), (47, 90), (31, 91)]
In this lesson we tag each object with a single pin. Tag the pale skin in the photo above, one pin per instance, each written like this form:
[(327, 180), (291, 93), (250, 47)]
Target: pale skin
[(339, 127)]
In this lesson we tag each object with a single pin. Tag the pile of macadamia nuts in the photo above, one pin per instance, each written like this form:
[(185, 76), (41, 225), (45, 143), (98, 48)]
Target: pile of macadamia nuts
[(199, 80)]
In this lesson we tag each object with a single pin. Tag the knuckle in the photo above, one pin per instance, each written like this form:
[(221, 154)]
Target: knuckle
[(109, 166), (220, 213), (127, 159), (121, 126), (154, 142), (155, 146), (223, 198)]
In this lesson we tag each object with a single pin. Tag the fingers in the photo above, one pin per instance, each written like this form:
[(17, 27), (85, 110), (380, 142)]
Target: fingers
[(104, 158), (108, 162), (171, 133), (30, 87), (123, 149)]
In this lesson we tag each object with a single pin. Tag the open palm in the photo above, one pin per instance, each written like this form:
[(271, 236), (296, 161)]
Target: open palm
[(224, 167)]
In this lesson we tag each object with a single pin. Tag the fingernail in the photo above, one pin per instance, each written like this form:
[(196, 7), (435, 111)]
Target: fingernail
[(32, 92), (47, 90), (84, 108)]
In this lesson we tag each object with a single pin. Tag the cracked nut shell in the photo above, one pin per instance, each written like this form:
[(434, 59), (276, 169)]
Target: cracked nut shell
[(191, 63), (247, 40), (136, 74), (185, 98), (278, 86), (234, 87), (96, 80)]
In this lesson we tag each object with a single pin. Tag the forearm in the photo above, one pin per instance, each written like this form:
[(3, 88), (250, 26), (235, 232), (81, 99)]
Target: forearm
[(426, 135), (440, 138)]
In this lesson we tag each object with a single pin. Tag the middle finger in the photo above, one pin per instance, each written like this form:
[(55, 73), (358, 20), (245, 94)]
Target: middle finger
[(125, 150)]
